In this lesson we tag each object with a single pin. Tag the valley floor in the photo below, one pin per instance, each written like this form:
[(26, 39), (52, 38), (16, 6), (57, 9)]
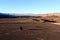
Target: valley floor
[(30, 31)]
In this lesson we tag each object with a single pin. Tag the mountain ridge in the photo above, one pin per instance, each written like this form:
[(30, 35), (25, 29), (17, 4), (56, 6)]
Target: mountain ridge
[(3, 15)]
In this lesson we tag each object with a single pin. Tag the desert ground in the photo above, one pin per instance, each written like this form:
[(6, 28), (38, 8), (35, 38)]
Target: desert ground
[(31, 30)]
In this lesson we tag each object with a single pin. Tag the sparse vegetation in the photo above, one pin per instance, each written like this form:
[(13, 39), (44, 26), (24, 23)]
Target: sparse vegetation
[(45, 20)]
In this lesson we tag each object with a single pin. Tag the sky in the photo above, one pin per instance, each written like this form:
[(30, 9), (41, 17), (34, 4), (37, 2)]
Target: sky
[(29, 6)]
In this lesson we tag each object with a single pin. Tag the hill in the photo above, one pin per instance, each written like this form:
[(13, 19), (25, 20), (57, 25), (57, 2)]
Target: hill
[(2, 15)]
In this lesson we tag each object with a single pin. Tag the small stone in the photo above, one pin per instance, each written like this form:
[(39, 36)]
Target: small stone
[(38, 38), (7, 33), (42, 39)]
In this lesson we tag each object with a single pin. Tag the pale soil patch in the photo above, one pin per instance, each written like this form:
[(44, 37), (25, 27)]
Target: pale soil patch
[(56, 23)]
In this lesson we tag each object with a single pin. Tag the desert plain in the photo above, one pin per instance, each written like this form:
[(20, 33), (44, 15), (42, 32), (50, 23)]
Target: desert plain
[(32, 29)]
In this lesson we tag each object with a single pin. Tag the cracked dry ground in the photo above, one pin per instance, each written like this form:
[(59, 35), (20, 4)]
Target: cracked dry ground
[(38, 31)]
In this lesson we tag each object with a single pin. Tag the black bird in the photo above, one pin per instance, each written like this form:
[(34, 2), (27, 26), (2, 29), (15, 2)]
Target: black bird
[(21, 28)]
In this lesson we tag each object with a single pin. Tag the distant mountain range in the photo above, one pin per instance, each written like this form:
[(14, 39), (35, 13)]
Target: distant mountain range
[(3, 15), (47, 14)]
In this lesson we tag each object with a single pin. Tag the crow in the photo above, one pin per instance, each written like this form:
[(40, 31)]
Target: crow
[(21, 28)]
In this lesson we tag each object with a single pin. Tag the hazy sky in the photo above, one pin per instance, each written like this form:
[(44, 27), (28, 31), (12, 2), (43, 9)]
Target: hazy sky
[(29, 6)]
